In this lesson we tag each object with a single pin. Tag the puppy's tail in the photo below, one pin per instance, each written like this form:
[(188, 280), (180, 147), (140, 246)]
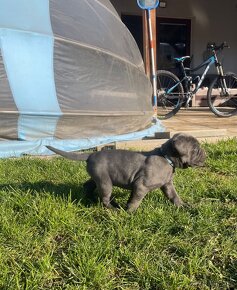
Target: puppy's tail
[(70, 155)]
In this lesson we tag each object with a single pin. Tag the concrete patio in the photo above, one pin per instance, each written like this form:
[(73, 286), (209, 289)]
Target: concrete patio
[(199, 122)]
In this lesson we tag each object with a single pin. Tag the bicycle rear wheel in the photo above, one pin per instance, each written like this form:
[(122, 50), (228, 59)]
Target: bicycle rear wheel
[(170, 94), (223, 102)]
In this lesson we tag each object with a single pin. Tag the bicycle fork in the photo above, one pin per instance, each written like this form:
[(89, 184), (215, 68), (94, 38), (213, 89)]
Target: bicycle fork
[(224, 87)]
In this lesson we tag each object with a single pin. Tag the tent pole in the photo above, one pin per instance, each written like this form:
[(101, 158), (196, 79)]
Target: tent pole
[(146, 41)]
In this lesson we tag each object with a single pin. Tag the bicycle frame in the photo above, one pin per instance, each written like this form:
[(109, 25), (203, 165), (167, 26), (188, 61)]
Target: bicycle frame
[(174, 92), (207, 64)]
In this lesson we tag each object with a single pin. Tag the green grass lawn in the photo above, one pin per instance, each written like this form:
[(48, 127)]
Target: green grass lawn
[(51, 237)]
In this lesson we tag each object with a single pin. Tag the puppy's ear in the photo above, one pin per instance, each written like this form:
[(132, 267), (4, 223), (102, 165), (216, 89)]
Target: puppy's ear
[(184, 144), (179, 143), (188, 149)]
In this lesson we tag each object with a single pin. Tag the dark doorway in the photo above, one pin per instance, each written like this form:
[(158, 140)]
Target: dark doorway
[(173, 40)]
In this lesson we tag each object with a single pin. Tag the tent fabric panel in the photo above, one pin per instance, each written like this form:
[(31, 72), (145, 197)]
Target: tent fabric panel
[(27, 15), (109, 6), (9, 127), (37, 147), (79, 127), (30, 71), (36, 127), (90, 23), (92, 81), (68, 127), (6, 98)]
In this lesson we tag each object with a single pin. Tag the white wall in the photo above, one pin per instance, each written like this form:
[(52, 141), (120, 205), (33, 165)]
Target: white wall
[(212, 21)]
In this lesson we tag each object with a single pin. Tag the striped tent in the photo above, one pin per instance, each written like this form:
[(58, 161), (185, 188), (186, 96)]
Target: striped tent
[(71, 75)]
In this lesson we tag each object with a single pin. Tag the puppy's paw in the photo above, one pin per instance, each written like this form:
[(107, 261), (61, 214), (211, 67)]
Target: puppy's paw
[(131, 208), (183, 205), (178, 202), (186, 205)]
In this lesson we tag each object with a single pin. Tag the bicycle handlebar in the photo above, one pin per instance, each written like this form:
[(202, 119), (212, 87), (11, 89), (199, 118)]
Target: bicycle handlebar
[(214, 47)]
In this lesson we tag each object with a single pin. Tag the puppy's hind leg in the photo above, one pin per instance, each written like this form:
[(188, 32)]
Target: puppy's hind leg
[(105, 190), (89, 189)]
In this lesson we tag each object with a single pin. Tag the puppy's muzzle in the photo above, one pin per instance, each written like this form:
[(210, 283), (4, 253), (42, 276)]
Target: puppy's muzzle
[(200, 158)]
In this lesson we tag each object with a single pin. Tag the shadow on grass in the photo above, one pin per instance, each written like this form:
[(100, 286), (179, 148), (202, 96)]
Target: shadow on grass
[(65, 191)]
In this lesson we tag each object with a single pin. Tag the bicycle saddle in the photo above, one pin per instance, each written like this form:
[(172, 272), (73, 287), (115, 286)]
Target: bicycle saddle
[(182, 59)]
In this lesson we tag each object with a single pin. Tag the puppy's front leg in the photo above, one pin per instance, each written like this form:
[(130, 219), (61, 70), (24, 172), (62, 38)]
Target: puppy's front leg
[(136, 197), (169, 190)]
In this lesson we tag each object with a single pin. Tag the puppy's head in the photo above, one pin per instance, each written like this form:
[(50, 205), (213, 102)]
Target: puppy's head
[(184, 150)]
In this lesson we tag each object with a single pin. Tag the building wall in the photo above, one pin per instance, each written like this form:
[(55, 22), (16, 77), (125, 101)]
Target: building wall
[(212, 21)]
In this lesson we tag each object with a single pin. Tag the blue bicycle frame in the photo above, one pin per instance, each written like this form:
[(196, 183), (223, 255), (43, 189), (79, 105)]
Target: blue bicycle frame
[(173, 92), (208, 63)]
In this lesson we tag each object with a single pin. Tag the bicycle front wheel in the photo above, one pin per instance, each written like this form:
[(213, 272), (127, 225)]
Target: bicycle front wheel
[(170, 94), (222, 95)]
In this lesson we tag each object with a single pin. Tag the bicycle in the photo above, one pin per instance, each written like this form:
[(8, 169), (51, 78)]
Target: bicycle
[(173, 92)]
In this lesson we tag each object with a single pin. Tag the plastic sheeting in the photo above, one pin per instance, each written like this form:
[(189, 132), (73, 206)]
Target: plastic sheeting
[(70, 71)]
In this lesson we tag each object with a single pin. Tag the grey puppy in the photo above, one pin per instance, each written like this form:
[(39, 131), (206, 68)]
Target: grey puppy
[(140, 172)]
